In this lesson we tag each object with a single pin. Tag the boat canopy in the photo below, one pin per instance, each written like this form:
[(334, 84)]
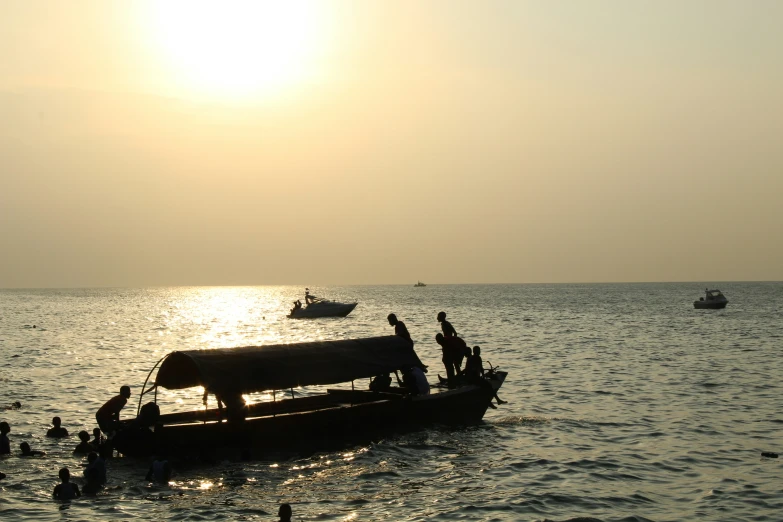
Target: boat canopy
[(282, 366)]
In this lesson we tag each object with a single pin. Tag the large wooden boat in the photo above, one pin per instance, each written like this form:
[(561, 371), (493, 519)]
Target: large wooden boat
[(318, 417)]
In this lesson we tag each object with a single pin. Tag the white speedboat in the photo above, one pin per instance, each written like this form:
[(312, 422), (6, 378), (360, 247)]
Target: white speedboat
[(321, 308), (713, 299)]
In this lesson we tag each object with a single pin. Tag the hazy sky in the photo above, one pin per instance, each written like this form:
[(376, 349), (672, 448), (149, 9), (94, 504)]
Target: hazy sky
[(361, 142)]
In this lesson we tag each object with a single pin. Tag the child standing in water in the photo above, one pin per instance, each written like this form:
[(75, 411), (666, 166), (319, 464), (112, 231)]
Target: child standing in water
[(66, 490), (5, 444), (84, 446), (58, 431)]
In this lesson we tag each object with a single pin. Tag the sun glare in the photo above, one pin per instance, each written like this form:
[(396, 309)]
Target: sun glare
[(237, 48)]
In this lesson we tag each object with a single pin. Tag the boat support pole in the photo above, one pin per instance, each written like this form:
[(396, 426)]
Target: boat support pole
[(154, 386), (352, 390), (292, 394)]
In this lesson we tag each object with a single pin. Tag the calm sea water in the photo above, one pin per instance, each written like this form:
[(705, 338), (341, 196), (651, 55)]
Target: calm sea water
[(625, 404)]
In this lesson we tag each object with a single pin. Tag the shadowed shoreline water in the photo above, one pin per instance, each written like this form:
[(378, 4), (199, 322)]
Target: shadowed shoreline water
[(625, 403)]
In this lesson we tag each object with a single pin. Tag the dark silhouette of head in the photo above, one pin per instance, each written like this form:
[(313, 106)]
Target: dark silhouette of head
[(125, 392), (56, 422), (477, 350), (64, 475), (92, 457), (25, 447), (96, 432), (441, 316), (392, 319), (84, 436), (439, 339), (4, 428), (285, 512)]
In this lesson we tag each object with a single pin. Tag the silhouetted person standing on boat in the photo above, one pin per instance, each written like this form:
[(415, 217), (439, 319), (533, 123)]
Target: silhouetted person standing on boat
[(448, 330), (309, 298), (399, 327), (108, 416)]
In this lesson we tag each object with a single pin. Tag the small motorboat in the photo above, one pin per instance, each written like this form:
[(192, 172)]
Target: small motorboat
[(321, 308), (419, 284), (713, 299)]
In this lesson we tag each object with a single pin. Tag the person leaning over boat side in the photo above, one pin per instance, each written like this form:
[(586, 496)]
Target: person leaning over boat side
[(459, 350), (399, 327), (448, 359), (108, 416), (448, 330), (474, 374), (236, 407), (415, 381)]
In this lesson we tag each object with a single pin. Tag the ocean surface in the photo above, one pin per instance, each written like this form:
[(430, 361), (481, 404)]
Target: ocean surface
[(625, 404)]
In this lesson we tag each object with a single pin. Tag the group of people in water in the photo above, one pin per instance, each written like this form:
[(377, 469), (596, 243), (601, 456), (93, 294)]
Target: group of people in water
[(454, 351), (97, 450)]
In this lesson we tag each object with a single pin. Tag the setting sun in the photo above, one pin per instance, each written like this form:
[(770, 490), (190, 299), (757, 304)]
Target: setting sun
[(236, 48)]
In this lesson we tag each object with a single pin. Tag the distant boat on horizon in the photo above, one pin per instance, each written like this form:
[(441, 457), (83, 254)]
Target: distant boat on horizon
[(419, 284), (714, 299)]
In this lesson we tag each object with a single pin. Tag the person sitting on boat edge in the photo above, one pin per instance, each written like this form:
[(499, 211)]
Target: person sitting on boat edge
[(309, 298), (66, 490), (108, 416), (297, 306), (381, 383), (57, 431), (474, 374)]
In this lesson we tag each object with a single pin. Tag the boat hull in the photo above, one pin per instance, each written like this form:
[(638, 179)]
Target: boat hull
[(338, 418), (317, 310), (710, 305)]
